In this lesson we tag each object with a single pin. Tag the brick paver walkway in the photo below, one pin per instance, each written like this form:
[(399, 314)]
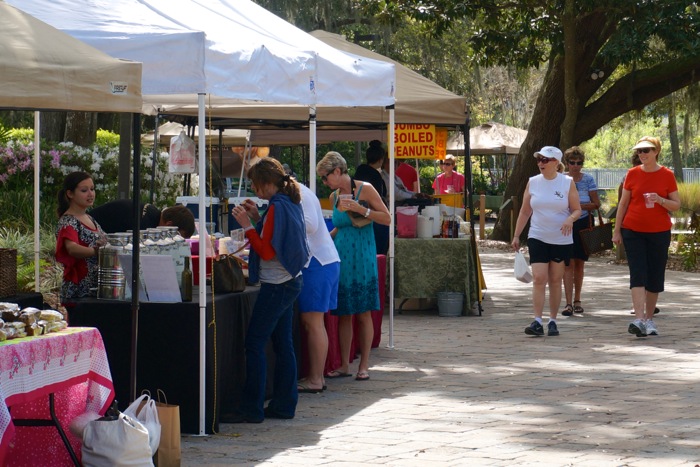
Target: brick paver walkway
[(472, 391)]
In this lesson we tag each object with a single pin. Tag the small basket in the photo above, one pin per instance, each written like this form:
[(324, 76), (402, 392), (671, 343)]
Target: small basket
[(8, 272)]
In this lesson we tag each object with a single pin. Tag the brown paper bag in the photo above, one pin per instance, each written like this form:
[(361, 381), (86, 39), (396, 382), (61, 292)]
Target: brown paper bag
[(168, 454)]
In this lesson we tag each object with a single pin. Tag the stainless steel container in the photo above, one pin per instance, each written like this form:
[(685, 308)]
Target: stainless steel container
[(110, 278)]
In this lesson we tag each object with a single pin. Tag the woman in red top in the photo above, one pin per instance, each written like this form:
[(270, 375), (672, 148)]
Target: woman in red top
[(643, 223), (78, 236)]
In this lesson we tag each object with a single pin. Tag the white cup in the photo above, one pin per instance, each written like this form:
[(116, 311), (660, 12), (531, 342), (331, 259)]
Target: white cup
[(647, 200)]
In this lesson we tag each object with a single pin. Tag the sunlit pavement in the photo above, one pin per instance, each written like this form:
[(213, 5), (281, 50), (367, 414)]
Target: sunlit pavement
[(477, 391)]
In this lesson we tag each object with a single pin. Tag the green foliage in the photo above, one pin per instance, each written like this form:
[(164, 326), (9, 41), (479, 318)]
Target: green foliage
[(107, 139), (4, 135), (689, 194), (57, 160), (23, 241), (612, 145), (22, 135)]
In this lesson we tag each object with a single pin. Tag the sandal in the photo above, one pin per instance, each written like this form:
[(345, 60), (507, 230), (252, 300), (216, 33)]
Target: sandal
[(578, 308), (304, 388), (568, 310)]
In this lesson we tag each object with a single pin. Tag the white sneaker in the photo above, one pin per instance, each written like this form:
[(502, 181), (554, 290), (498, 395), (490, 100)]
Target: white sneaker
[(637, 328), (651, 328)]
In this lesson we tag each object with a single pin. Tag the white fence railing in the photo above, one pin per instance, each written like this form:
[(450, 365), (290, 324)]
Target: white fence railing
[(607, 179)]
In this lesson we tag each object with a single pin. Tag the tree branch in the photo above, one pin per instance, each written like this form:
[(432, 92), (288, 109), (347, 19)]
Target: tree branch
[(635, 91)]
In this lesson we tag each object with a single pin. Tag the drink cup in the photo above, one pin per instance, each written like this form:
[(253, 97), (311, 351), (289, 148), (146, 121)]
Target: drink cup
[(341, 198), (647, 200)]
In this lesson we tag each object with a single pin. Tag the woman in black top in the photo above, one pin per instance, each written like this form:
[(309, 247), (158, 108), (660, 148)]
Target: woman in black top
[(369, 172)]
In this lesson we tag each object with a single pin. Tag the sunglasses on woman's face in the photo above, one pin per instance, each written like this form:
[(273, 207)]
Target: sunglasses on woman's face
[(545, 160), (324, 178), (575, 162), (446, 163), (644, 150)]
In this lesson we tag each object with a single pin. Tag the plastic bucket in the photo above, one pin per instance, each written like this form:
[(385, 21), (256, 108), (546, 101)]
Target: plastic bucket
[(407, 221), (450, 303)]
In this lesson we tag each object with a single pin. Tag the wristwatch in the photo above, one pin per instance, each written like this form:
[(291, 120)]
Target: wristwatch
[(368, 212)]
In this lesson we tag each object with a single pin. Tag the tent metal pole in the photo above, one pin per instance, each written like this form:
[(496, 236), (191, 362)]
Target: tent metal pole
[(135, 257), (392, 202), (312, 148), (37, 196), (155, 160), (203, 239)]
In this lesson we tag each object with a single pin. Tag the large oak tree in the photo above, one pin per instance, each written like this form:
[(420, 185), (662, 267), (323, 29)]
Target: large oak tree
[(640, 50)]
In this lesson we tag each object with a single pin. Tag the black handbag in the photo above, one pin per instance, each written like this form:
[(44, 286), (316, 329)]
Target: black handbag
[(596, 238), (227, 273)]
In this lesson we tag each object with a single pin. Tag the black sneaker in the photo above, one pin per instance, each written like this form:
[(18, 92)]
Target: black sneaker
[(552, 329), (534, 329)]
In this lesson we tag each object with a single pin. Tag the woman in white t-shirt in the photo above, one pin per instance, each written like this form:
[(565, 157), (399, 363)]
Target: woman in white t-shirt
[(551, 199)]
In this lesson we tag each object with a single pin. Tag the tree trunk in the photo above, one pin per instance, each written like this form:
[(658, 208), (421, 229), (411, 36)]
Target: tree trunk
[(81, 128), (673, 136), (570, 58), (108, 121), (53, 126)]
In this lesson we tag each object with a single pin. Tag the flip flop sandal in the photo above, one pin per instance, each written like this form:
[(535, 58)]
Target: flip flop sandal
[(578, 308), (337, 374), (362, 376), (568, 310), (304, 388)]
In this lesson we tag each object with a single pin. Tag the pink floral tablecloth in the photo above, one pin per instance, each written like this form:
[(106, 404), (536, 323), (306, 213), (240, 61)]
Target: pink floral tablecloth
[(71, 363)]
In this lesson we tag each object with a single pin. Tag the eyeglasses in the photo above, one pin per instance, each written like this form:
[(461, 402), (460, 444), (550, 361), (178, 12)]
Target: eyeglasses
[(324, 178), (545, 160), (644, 150), (446, 163), (575, 162)]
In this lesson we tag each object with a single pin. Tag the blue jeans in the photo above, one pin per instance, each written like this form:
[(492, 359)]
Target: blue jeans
[(271, 319)]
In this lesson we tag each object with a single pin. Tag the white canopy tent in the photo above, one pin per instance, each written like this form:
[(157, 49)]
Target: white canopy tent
[(234, 51), (43, 68)]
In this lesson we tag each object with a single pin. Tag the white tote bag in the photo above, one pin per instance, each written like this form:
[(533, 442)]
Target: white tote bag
[(120, 442), (521, 270), (144, 410)]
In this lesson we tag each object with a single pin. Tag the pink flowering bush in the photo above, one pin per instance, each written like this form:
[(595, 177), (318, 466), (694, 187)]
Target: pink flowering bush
[(57, 160)]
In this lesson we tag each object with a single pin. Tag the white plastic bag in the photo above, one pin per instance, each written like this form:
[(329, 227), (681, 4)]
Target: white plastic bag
[(121, 442), (144, 410), (182, 160), (521, 269)]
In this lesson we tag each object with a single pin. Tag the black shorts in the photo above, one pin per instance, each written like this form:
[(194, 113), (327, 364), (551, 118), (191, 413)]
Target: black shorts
[(647, 254), (541, 252), (579, 252)]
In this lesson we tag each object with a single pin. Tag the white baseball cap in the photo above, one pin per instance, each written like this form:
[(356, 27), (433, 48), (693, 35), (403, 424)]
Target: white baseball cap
[(549, 152)]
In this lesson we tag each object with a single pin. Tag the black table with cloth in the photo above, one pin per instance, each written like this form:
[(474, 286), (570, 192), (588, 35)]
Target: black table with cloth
[(24, 300), (168, 350)]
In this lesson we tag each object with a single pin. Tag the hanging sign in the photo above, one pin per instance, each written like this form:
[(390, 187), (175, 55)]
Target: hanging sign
[(415, 141)]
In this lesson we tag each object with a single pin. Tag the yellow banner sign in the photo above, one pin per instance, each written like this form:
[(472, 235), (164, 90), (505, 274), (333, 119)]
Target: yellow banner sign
[(419, 142)]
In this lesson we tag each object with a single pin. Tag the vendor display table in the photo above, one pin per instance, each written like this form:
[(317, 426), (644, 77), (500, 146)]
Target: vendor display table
[(168, 350), (32, 368), (425, 266)]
